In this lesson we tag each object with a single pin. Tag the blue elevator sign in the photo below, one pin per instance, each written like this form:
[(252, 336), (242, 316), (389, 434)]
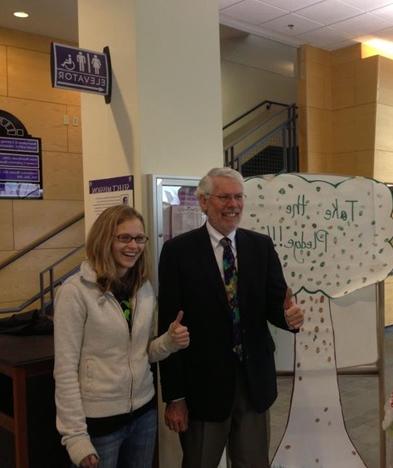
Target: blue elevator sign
[(81, 69)]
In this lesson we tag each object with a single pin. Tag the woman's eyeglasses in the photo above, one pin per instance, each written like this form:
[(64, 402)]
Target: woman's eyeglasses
[(127, 238)]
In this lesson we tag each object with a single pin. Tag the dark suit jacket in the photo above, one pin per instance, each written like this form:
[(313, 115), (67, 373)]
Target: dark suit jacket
[(190, 280)]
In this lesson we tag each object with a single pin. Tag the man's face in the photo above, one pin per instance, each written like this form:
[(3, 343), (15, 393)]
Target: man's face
[(224, 206)]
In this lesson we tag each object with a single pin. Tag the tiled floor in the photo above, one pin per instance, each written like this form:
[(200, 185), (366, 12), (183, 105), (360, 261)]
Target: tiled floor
[(359, 397)]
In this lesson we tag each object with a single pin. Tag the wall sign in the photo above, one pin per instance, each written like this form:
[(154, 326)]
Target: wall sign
[(20, 160), (104, 193), (81, 69)]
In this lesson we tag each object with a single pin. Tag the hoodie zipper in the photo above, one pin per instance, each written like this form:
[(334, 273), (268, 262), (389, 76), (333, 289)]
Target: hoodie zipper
[(133, 310), (132, 316)]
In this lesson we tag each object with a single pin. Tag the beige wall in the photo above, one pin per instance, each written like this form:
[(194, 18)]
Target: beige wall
[(354, 91), (346, 112), (26, 92), (383, 161), (314, 102), (254, 69), (165, 114), (383, 168), (337, 107), (346, 117)]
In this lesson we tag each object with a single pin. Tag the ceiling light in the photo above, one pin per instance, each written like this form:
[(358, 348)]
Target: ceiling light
[(380, 46), (21, 14)]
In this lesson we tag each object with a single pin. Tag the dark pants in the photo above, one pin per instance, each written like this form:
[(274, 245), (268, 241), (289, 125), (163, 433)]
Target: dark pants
[(244, 433)]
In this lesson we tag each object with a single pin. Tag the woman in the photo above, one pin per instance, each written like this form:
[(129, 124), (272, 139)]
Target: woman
[(104, 346)]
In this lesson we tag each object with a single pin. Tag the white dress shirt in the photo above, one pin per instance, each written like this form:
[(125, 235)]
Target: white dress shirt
[(215, 238)]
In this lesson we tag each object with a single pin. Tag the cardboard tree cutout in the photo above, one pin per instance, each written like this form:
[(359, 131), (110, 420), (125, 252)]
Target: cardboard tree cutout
[(333, 236)]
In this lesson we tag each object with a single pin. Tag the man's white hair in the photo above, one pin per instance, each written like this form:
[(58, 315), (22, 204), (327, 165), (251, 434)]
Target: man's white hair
[(205, 186)]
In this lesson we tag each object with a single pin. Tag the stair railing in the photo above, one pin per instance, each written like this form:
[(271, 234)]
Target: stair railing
[(287, 129), (41, 240), (266, 103), (53, 283), (41, 294), (251, 130)]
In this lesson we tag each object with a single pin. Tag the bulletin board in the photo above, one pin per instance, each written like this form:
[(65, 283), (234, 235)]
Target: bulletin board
[(173, 209)]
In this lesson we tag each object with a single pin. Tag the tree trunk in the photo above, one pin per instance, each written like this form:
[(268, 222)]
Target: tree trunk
[(316, 435)]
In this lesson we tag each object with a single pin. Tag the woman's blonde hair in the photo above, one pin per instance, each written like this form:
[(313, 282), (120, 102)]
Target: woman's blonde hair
[(99, 250)]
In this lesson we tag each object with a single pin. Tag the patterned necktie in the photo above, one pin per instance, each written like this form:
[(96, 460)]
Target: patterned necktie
[(230, 280)]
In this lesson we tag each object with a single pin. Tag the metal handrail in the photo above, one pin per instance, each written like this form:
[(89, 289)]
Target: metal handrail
[(263, 103), (259, 142), (37, 296), (52, 282), (288, 129), (257, 127), (41, 240)]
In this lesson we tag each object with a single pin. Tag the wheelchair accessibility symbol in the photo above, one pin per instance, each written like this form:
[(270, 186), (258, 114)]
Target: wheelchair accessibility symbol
[(68, 63)]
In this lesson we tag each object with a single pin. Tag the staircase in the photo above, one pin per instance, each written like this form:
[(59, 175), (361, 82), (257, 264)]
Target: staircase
[(262, 140), (36, 281)]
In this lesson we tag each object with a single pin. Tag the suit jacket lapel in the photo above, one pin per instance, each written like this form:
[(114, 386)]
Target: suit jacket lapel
[(245, 261), (209, 264)]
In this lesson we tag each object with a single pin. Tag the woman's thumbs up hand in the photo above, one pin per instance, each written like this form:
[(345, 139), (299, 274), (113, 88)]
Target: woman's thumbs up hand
[(178, 332)]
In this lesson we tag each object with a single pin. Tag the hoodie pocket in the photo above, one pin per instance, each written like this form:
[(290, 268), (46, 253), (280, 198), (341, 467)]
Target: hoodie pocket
[(106, 378), (87, 375)]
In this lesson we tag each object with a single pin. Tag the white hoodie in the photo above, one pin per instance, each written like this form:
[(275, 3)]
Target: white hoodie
[(100, 369)]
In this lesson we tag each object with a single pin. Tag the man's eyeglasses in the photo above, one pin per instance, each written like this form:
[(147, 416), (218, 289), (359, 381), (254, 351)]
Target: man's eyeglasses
[(238, 197), (127, 238)]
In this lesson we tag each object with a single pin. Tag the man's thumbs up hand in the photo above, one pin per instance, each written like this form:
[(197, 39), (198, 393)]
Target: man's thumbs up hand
[(294, 315)]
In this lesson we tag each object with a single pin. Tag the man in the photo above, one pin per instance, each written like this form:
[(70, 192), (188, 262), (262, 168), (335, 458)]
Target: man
[(217, 391)]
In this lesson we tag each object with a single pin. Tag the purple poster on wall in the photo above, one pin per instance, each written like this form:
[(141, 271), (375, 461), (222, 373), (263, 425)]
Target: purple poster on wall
[(20, 167), (109, 192)]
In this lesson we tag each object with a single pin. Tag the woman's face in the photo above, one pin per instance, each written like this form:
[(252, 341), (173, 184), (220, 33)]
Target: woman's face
[(127, 251)]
